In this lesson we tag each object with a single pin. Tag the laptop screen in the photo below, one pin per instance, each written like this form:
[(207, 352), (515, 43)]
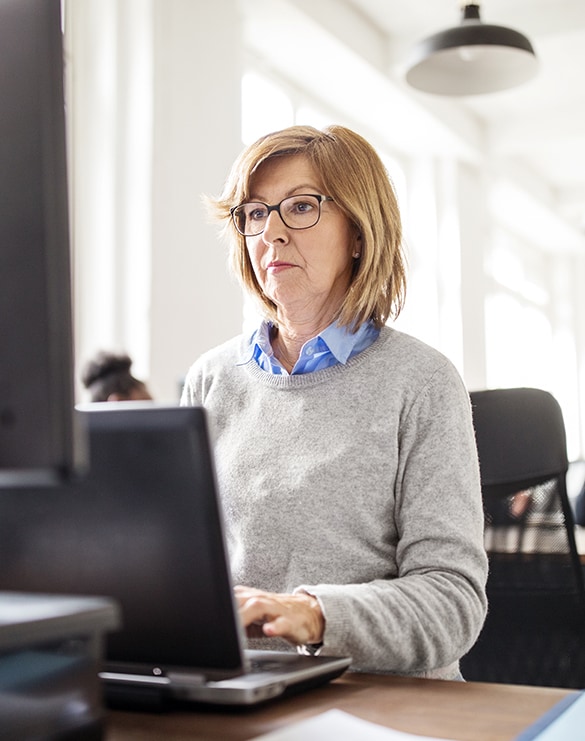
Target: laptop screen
[(144, 527)]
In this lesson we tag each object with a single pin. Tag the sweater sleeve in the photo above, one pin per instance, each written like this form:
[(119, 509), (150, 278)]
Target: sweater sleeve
[(189, 396), (431, 613)]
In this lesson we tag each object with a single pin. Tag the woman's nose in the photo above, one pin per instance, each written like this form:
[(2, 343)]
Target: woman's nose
[(275, 229)]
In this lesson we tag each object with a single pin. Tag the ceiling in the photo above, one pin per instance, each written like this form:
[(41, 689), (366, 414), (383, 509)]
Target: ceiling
[(539, 125)]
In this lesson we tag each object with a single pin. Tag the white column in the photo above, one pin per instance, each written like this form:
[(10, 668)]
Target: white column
[(579, 293), (474, 234), (448, 273), (91, 77), (195, 302), (420, 316)]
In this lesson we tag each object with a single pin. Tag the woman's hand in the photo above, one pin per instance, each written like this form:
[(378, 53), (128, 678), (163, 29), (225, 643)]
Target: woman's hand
[(295, 617)]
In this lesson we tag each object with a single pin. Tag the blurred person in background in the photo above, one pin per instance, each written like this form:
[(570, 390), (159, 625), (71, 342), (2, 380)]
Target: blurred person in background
[(107, 377)]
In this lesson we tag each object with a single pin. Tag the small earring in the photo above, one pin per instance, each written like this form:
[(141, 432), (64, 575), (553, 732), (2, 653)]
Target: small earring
[(356, 255)]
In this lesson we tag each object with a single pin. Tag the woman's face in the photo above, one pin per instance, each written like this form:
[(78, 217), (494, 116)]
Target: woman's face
[(307, 272)]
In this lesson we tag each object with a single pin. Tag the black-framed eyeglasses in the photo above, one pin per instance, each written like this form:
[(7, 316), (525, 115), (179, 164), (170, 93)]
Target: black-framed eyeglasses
[(297, 212)]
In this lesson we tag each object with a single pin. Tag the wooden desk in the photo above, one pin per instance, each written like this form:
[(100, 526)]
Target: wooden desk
[(469, 711)]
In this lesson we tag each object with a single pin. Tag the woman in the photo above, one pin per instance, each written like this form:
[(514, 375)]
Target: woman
[(345, 451)]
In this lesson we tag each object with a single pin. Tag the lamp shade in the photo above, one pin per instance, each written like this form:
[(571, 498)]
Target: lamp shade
[(471, 58)]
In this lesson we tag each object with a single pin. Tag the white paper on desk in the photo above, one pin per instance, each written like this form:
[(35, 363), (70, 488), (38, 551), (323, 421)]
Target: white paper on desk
[(336, 725), (568, 725)]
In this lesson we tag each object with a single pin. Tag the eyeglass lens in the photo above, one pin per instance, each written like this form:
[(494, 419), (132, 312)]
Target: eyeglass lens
[(297, 212)]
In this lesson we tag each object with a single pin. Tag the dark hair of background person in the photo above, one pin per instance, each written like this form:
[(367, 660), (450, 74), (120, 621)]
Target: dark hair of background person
[(107, 377)]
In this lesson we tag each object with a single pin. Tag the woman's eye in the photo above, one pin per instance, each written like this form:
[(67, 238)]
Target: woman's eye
[(257, 215), (302, 207)]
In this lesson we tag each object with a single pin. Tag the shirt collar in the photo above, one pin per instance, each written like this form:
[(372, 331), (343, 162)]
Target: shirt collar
[(339, 340)]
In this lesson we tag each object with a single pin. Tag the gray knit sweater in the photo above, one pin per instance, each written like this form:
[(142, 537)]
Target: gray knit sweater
[(359, 484)]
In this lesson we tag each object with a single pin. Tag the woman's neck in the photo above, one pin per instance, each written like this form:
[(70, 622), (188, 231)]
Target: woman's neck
[(287, 341), (298, 323)]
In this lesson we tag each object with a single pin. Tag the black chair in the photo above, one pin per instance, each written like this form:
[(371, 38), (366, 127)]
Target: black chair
[(535, 629)]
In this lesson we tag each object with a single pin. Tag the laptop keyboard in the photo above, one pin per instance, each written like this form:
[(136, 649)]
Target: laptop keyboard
[(268, 665), (271, 663)]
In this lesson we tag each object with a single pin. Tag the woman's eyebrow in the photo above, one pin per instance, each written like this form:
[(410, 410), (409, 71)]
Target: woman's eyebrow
[(291, 192)]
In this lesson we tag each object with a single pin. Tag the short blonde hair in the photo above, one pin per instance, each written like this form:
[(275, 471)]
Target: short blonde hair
[(352, 173)]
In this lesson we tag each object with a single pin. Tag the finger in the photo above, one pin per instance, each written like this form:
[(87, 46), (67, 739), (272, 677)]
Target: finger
[(242, 588), (242, 594), (257, 609), (281, 627)]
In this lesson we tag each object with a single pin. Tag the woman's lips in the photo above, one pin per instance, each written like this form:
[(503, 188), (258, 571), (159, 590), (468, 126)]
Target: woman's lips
[(277, 266)]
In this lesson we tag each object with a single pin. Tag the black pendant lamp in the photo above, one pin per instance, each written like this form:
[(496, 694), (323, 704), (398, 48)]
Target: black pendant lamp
[(471, 59)]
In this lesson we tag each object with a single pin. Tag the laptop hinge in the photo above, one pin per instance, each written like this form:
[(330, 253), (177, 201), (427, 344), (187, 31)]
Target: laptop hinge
[(187, 678)]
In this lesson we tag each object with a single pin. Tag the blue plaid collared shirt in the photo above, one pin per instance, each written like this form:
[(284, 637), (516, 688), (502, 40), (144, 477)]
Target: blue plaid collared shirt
[(333, 345)]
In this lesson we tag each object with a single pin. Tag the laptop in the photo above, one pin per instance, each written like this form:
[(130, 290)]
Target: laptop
[(145, 527)]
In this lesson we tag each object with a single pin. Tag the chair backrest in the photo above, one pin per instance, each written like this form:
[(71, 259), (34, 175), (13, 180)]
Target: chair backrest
[(520, 436), (535, 585)]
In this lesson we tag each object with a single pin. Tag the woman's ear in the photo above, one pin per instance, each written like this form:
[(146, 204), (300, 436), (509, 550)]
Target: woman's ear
[(357, 252)]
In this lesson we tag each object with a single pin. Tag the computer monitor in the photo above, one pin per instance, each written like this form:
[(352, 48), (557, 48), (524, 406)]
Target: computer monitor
[(38, 441)]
